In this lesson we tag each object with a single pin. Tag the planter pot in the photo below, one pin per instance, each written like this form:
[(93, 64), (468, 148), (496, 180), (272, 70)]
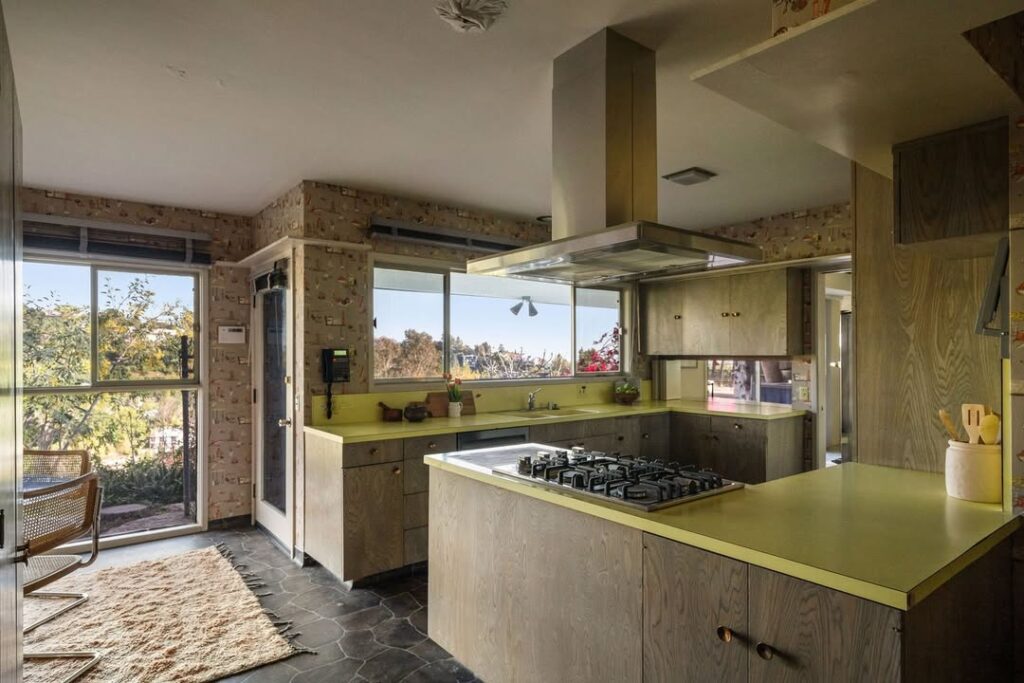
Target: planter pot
[(454, 409), (626, 398), (974, 472)]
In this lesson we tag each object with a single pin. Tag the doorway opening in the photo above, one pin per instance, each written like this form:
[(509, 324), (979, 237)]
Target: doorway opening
[(835, 367)]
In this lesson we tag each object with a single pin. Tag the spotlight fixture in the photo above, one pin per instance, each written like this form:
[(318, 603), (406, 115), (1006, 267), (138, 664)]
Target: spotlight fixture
[(531, 309)]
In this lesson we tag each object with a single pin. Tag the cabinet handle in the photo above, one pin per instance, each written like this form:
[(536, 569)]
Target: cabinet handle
[(725, 314), (645, 436), (737, 425), (765, 651), (620, 438), (396, 470), (736, 314), (724, 634), (677, 317), (431, 445), (373, 451)]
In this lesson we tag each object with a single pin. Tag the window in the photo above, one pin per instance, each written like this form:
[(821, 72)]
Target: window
[(598, 330), (94, 338), (497, 328), (751, 380), (509, 329), (408, 309)]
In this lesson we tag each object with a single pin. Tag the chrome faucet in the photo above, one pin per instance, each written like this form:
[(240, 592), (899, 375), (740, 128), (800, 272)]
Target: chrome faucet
[(531, 399)]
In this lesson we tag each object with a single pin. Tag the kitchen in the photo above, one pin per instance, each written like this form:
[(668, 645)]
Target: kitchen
[(682, 425)]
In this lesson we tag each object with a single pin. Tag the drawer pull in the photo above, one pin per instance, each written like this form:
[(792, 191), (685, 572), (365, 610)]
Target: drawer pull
[(396, 470), (765, 651), (677, 317), (725, 314), (645, 436), (620, 438), (724, 634), (737, 425), (736, 314), (432, 445), (373, 451)]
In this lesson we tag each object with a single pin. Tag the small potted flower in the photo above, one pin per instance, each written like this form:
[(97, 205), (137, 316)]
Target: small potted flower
[(626, 393), (454, 388)]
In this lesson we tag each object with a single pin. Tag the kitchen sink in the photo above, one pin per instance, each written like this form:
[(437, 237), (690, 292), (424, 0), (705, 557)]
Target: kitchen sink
[(541, 413)]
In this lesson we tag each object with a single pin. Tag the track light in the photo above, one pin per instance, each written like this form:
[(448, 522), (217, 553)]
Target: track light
[(518, 307), (531, 309)]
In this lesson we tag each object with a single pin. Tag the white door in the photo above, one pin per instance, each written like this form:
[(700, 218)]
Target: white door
[(275, 436)]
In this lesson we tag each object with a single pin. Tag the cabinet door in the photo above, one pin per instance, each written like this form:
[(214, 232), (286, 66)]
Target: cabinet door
[(653, 437), (952, 184), (373, 511), (690, 442), (739, 449), (758, 306), (706, 320), (803, 632), (663, 318), (695, 614)]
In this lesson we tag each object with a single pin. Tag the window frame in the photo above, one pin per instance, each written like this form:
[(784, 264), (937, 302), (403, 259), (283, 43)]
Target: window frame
[(445, 269), (95, 383), (195, 384)]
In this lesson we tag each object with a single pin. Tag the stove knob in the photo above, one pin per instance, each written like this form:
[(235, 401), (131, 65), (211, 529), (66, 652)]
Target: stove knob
[(525, 465)]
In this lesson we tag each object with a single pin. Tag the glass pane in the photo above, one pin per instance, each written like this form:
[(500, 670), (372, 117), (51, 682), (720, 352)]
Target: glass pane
[(145, 325), (275, 399), (56, 319), (142, 444), (598, 330), (503, 328), (408, 309)]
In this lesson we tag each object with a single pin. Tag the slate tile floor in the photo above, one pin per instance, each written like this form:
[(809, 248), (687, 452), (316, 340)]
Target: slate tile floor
[(374, 634)]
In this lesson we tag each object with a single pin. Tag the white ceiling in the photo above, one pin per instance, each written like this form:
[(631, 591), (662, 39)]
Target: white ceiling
[(224, 105)]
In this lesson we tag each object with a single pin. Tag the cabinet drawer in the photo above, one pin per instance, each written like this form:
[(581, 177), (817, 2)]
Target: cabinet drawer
[(557, 433), (416, 510), (746, 428), (424, 445), (371, 453), (416, 476)]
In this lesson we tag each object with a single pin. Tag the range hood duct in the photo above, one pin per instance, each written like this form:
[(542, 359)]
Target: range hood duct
[(604, 198)]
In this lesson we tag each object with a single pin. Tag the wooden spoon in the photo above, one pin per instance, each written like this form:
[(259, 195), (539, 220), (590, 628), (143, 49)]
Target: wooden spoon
[(947, 422), (972, 414)]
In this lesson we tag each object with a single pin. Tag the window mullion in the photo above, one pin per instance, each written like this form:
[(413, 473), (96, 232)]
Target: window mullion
[(573, 350), (447, 334), (93, 327)]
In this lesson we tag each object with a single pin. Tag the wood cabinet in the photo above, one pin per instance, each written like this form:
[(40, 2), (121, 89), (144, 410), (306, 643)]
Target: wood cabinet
[(751, 314), (742, 449), (711, 618), (953, 185), (695, 614)]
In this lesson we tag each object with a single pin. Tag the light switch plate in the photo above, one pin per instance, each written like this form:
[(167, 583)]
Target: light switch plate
[(231, 334)]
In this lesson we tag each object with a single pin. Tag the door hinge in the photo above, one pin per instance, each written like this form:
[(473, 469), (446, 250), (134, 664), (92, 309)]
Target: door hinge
[(21, 554), (3, 530), (254, 396), (254, 490)]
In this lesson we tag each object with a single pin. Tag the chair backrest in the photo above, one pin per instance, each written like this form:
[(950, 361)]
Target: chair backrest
[(52, 467), (60, 513)]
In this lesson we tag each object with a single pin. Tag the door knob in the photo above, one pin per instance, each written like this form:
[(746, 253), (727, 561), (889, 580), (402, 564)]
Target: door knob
[(765, 651), (284, 422), (724, 634)]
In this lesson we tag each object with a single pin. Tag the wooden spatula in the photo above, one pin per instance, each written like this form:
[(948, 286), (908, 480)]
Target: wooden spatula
[(947, 422), (971, 414)]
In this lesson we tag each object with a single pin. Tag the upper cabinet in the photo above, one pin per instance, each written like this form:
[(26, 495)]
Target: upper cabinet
[(953, 185), (875, 73), (746, 315)]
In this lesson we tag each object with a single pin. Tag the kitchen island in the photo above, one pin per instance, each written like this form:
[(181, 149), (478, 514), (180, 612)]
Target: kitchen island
[(837, 574)]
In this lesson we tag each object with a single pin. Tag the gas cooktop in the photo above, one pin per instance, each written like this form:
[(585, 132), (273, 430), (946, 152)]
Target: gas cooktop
[(636, 482)]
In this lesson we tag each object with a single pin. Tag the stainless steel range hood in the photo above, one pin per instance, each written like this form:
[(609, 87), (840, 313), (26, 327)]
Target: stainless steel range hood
[(605, 190)]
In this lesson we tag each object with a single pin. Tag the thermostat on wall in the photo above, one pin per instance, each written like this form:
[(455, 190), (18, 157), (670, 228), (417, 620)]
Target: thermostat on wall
[(231, 334)]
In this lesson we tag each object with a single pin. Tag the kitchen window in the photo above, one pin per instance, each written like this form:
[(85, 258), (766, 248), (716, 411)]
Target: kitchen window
[(110, 367), (481, 327), (751, 380)]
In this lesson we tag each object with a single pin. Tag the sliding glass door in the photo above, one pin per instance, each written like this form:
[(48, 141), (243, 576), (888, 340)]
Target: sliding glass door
[(110, 367)]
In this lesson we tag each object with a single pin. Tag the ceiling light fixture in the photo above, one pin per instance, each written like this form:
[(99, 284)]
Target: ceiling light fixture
[(690, 176), (470, 16)]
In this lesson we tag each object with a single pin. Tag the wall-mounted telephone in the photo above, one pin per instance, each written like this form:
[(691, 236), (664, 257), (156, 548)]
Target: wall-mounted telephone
[(336, 368)]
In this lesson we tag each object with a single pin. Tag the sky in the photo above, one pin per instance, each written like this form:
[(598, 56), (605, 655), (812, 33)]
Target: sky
[(70, 283)]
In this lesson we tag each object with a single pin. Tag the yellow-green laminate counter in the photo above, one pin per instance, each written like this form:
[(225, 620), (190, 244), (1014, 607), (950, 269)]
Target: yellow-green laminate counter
[(888, 535), (359, 432)]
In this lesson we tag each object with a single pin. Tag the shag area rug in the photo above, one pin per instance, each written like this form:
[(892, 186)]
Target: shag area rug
[(184, 619)]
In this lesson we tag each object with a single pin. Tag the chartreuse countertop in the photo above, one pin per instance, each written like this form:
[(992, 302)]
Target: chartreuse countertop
[(888, 535), (358, 432)]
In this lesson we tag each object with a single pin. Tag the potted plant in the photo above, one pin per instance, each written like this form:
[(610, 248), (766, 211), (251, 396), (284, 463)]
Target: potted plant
[(626, 393), (454, 388)]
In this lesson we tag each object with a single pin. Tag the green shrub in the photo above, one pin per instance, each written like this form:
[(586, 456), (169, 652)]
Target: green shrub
[(145, 479)]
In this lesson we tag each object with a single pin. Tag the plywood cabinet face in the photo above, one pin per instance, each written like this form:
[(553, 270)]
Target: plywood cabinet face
[(745, 315), (803, 632), (695, 614), (372, 519), (952, 185), (739, 449), (652, 437)]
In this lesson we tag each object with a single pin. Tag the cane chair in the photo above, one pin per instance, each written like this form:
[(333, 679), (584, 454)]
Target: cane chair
[(43, 468), (53, 516)]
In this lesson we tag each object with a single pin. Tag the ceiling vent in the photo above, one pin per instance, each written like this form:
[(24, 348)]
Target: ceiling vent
[(441, 237), (690, 176)]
